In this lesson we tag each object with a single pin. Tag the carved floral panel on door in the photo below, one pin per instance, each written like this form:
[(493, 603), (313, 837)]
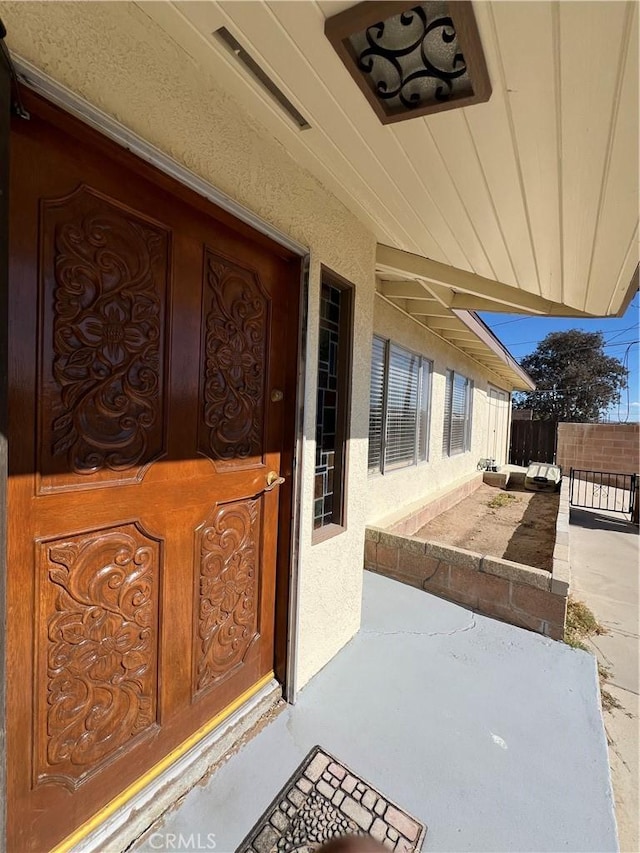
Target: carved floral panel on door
[(103, 291), (227, 569), (235, 344), (97, 650)]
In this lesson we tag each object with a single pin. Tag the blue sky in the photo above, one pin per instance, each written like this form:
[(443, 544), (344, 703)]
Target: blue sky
[(521, 335)]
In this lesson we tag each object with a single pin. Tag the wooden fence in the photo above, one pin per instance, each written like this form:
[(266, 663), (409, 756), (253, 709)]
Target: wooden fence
[(533, 441)]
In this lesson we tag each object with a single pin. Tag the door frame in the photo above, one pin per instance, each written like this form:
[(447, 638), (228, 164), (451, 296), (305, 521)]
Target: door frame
[(5, 129), (287, 587), (491, 387)]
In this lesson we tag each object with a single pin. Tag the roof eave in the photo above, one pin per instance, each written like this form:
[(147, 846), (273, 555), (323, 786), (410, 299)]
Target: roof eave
[(484, 334)]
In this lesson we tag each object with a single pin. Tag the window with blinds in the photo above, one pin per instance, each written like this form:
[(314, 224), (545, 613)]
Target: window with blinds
[(458, 400), (398, 407), (376, 402)]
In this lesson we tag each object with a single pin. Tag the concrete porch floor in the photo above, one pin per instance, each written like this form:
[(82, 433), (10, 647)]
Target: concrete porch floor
[(490, 734)]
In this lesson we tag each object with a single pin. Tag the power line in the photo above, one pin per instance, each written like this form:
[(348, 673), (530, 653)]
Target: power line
[(595, 331), (625, 363), (518, 320), (590, 346), (617, 335), (537, 317), (582, 349), (559, 390)]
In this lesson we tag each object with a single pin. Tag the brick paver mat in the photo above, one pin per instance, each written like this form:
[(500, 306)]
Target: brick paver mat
[(324, 799)]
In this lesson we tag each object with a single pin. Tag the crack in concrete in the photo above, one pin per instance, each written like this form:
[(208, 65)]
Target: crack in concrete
[(613, 744), (624, 689), (468, 627), (620, 632)]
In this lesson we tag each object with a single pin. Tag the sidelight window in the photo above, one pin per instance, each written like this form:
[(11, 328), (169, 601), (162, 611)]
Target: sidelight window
[(333, 405)]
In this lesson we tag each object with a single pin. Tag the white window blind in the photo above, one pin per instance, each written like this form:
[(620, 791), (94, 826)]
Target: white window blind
[(456, 436), (398, 407), (376, 403), (423, 411), (402, 408)]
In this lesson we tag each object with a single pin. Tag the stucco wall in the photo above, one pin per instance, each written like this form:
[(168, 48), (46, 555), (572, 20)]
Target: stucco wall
[(113, 55), (390, 495)]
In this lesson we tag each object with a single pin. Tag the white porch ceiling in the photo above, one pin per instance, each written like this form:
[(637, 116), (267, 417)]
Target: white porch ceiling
[(536, 189)]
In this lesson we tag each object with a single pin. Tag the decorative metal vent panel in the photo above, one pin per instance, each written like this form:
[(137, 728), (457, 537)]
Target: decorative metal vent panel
[(412, 60)]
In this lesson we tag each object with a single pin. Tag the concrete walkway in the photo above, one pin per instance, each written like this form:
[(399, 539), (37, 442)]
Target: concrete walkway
[(605, 563), (490, 734)]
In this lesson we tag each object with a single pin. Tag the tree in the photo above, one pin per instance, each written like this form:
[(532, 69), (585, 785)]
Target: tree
[(575, 379)]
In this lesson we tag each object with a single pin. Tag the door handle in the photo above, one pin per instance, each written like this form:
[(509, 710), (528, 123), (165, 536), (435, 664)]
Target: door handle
[(273, 480)]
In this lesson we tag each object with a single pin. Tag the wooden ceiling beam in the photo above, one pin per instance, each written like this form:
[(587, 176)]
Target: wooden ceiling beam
[(478, 291), (443, 294), (424, 308), (465, 335), (466, 302), (510, 376), (470, 345), (405, 290), (445, 323)]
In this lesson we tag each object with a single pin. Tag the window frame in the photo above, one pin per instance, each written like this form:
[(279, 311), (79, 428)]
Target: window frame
[(450, 376), (338, 523), (382, 466)]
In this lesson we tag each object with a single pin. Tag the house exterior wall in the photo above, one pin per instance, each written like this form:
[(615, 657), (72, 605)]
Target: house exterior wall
[(115, 57), (392, 495), (599, 447)]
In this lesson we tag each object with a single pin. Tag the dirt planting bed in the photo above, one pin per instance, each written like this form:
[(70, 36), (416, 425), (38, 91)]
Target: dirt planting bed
[(516, 525)]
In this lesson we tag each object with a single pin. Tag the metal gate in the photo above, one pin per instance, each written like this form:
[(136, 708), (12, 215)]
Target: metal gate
[(603, 490)]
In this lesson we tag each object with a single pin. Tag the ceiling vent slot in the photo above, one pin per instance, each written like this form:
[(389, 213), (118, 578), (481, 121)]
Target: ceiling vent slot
[(234, 47)]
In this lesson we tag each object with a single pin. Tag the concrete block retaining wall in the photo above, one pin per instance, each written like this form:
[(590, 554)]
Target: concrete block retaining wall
[(521, 595), (561, 575)]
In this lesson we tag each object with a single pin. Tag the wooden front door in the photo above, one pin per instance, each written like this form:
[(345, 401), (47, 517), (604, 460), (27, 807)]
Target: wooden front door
[(152, 368)]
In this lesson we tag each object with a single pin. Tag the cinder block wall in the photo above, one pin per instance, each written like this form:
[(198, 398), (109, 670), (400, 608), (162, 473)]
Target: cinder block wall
[(599, 447), (522, 595)]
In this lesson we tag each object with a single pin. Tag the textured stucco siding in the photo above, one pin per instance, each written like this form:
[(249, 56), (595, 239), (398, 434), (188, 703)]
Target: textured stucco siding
[(118, 59), (391, 495)]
